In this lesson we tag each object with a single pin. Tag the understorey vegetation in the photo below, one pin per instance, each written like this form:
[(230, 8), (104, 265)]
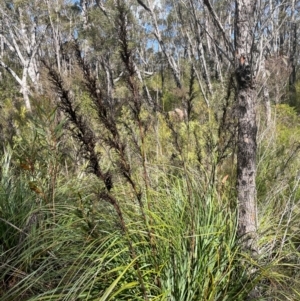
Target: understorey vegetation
[(120, 162)]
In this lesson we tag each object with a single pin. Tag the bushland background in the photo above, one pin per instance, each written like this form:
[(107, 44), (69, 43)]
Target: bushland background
[(118, 131)]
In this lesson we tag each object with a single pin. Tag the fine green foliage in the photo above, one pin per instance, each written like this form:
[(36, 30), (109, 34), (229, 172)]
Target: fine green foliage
[(76, 251), (191, 256)]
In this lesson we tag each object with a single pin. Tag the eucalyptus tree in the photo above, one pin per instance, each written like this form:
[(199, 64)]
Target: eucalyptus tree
[(276, 49), (195, 50), (258, 41), (157, 13), (21, 35), (63, 24), (247, 128)]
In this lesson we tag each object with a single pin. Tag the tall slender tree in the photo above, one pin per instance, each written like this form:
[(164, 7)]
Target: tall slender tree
[(21, 35), (245, 97), (247, 128)]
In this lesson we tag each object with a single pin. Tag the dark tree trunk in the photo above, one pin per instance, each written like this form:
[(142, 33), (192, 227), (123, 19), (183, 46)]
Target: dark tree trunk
[(246, 156)]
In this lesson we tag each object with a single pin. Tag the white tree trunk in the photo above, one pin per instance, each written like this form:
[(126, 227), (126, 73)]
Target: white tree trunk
[(22, 82), (19, 36), (157, 34)]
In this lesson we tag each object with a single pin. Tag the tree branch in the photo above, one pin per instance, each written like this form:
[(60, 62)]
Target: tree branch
[(218, 24)]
